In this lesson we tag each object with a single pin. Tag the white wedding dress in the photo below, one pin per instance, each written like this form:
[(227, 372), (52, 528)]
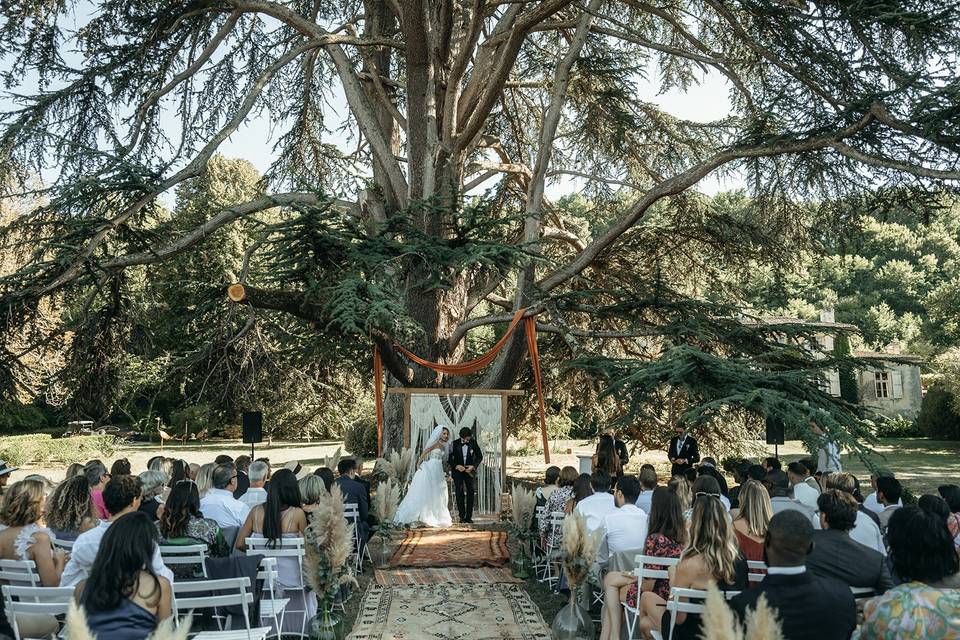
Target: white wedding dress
[(426, 499)]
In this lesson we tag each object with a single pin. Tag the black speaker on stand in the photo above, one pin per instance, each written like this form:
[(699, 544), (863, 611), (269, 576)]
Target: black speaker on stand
[(252, 429), (775, 434)]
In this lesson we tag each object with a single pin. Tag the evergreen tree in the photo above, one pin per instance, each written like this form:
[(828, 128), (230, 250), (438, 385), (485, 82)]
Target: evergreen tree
[(849, 390)]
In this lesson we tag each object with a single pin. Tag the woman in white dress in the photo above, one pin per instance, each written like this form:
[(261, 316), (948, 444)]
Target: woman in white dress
[(426, 499)]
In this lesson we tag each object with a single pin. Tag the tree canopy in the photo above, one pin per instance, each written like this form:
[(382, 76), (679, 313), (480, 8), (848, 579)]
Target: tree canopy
[(437, 223)]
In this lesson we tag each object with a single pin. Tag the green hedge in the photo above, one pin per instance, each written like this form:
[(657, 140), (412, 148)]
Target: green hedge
[(898, 427), (42, 448), (361, 437), (18, 418), (937, 417)]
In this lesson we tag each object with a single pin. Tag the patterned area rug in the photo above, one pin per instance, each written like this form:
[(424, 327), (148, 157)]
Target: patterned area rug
[(449, 612), (451, 548), (450, 575)]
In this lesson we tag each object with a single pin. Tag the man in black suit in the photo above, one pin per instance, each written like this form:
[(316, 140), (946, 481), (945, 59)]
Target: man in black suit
[(354, 493), (243, 480), (465, 456), (810, 607), (683, 452), (837, 555)]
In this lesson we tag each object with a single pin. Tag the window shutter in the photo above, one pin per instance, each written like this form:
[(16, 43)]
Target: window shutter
[(897, 382), (870, 385), (834, 383)]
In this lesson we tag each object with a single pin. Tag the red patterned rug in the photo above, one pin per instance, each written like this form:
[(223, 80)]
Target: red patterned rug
[(450, 575), (452, 548)]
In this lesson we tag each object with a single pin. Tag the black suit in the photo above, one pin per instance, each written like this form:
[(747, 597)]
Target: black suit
[(355, 493), (463, 483), (622, 453), (690, 451), (243, 483), (836, 555), (810, 607)]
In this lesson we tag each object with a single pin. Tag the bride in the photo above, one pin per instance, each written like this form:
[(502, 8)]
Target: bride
[(426, 499)]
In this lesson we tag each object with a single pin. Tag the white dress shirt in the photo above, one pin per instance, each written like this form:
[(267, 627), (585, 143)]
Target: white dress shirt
[(465, 449), (871, 502), (828, 457), (623, 530), (220, 505), (786, 571), (806, 494), (254, 496), (595, 508), (84, 552), (867, 533), (645, 499)]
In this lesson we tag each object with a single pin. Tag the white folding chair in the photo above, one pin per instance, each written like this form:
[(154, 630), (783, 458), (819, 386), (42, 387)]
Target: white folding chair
[(675, 605), (285, 548), (756, 570), (351, 512), (272, 607), (66, 545), (19, 573), (645, 571), (862, 592), (552, 549), (185, 554), (193, 595), (539, 552), (51, 601)]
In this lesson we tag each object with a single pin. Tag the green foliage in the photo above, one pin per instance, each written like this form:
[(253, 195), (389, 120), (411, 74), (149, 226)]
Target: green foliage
[(42, 448), (16, 418), (361, 437), (937, 418), (849, 389), (194, 418), (898, 427)]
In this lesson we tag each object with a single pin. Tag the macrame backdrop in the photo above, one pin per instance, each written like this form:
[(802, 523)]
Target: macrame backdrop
[(482, 415)]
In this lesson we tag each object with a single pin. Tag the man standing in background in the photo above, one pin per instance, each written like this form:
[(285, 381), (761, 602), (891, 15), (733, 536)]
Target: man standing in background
[(683, 452)]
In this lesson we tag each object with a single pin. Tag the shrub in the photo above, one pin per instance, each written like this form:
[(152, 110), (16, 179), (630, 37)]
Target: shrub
[(898, 427), (41, 448), (17, 418), (361, 437), (937, 417)]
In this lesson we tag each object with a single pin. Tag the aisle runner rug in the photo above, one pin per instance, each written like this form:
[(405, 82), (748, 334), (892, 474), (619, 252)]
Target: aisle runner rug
[(449, 612), (450, 575), (451, 548)]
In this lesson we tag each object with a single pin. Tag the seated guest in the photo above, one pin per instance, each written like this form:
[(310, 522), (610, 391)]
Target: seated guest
[(708, 467), (551, 481), (810, 607), (193, 470), (242, 463), (178, 471), (711, 556), (778, 486), (120, 467), (121, 496), (97, 478), (926, 604), (557, 502), (797, 475), (668, 533), (594, 508), (624, 530), (708, 484), (888, 495), (312, 491), (223, 459), (811, 466), (256, 478), (680, 486), (771, 464), (124, 599), (581, 490), (325, 474), (69, 509), (154, 483), (750, 524), (75, 469), (648, 482), (204, 478), (182, 523), (872, 501), (865, 530), (951, 495), (837, 555), (739, 476), (353, 492), (219, 503)]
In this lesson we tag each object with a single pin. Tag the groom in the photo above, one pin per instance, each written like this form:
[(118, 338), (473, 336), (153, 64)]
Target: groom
[(465, 455)]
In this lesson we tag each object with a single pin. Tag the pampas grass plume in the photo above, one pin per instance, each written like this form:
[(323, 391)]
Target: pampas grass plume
[(719, 622), (762, 622), (523, 506), (329, 542), (386, 500)]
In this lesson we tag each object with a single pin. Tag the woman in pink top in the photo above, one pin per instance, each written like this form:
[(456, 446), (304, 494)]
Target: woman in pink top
[(97, 478)]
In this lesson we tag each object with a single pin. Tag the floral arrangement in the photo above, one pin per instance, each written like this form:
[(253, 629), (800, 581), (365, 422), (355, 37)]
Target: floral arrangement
[(76, 627), (398, 466), (523, 506), (580, 548), (719, 622), (328, 544)]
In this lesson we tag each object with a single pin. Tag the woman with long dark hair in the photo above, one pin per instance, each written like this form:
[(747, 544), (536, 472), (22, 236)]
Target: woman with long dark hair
[(606, 458), (182, 523), (123, 598), (666, 536), (178, 472)]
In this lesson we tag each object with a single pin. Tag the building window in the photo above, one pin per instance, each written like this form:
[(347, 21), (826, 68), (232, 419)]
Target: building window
[(881, 382)]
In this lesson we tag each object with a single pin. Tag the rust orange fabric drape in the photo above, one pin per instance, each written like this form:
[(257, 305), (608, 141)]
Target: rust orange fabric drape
[(466, 368)]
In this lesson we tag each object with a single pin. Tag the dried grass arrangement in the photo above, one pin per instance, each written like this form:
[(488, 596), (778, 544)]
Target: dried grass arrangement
[(385, 502), (398, 466), (719, 623), (331, 462), (328, 543), (579, 548), (75, 627), (523, 506)]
